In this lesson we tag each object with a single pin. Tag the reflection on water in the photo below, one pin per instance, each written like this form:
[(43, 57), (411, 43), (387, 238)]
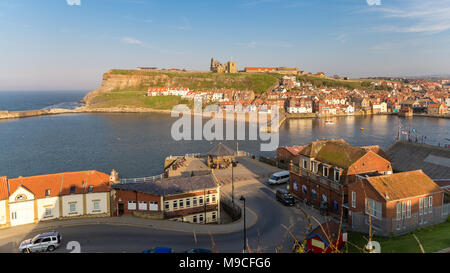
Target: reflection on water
[(136, 144)]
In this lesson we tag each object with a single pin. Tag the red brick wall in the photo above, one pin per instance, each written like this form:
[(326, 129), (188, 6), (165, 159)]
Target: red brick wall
[(285, 156), (368, 163), (126, 196)]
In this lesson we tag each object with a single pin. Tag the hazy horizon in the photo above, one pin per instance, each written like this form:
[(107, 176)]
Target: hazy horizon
[(67, 45)]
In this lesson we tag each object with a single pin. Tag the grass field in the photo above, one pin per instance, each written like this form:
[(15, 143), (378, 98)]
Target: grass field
[(128, 98), (259, 83), (433, 238)]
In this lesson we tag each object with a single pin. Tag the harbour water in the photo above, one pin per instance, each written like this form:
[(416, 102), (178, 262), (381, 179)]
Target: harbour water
[(136, 144)]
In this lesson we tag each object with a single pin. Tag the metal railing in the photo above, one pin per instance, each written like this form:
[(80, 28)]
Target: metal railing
[(142, 179)]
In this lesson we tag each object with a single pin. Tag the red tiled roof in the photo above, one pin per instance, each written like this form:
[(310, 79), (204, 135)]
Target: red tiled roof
[(403, 185), (3, 188), (60, 183)]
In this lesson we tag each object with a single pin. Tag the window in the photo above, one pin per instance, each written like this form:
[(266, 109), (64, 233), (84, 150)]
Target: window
[(213, 198), (46, 240), (96, 205), (337, 175), (325, 171), (408, 209), (201, 218), (188, 202), (420, 206), (304, 189), (72, 190), (47, 193), (166, 205), (403, 210), (425, 205), (131, 205), (90, 188), (324, 198), (48, 212), (207, 199), (295, 185), (353, 199), (430, 204), (194, 219), (373, 208), (200, 200), (175, 204), (314, 166), (72, 207), (181, 203), (305, 164), (213, 216), (153, 206), (314, 194), (142, 205), (335, 205), (399, 211), (194, 201)]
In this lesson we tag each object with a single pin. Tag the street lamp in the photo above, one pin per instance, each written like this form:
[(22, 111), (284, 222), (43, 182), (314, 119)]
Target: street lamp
[(245, 228), (233, 163)]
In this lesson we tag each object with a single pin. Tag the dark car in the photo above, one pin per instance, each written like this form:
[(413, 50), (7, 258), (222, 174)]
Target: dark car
[(285, 197), (199, 250)]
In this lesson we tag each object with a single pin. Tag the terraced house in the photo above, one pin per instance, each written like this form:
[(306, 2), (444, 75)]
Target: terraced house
[(26, 200), (193, 199), (327, 167)]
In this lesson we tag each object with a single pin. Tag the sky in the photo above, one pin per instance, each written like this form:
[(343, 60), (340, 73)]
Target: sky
[(69, 44)]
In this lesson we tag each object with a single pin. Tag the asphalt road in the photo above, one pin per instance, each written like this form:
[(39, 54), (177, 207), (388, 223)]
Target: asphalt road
[(267, 233)]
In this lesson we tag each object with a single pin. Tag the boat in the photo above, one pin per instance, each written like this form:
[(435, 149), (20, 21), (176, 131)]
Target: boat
[(329, 122)]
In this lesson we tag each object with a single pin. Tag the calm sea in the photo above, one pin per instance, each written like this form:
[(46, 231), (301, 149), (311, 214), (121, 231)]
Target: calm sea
[(136, 144)]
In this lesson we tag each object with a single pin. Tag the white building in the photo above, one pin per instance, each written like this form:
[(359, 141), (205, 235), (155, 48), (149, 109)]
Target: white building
[(26, 200)]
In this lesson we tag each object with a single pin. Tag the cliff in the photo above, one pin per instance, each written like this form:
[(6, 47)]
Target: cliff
[(131, 83)]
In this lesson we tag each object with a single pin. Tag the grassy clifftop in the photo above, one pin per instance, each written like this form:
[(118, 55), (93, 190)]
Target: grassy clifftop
[(128, 87)]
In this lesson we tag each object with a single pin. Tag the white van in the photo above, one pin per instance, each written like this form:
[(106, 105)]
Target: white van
[(279, 178)]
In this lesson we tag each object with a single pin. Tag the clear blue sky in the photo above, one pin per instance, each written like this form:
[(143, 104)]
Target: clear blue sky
[(69, 44)]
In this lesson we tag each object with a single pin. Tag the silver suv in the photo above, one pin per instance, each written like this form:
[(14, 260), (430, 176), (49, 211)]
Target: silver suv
[(42, 242)]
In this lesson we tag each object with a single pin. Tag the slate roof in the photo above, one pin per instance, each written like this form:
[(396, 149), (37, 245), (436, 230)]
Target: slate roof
[(171, 186), (221, 150), (340, 154), (403, 185), (408, 156)]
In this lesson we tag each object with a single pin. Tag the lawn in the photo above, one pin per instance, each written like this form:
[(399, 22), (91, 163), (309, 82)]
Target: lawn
[(433, 238), (128, 98)]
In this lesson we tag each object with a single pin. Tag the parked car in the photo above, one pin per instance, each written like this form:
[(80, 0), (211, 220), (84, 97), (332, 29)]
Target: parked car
[(199, 250), (279, 178), (158, 249), (42, 242), (285, 197)]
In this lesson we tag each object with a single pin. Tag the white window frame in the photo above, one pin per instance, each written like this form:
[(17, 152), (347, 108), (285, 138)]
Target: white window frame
[(194, 202), (314, 166), (72, 209), (353, 199), (338, 174), (408, 209), (305, 164), (425, 205), (175, 204), (48, 212), (403, 210), (399, 211), (323, 171), (96, 205), (188, 202), (420, 206), (430, 204), (133, 205), (181, 203), (142, 205), (373, 208)]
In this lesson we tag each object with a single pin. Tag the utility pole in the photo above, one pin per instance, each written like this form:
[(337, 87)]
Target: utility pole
[(245, 227)]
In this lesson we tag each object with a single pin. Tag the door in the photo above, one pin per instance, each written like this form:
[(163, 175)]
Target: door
[(121, 209), (22, 213)]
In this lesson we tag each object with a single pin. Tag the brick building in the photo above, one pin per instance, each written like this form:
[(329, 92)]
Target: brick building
[(325, 169), (287, 154), (397, 203), (191, 199)]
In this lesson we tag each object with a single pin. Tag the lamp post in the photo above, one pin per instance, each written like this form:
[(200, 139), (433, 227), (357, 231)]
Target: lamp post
[(233, 163), (245, 228)]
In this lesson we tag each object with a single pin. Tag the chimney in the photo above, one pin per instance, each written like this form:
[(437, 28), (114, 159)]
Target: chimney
[(114, 177)]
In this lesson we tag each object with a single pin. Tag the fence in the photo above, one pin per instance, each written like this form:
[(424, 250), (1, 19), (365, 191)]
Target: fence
[(392, 227), (142, 179), (274, 162)]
